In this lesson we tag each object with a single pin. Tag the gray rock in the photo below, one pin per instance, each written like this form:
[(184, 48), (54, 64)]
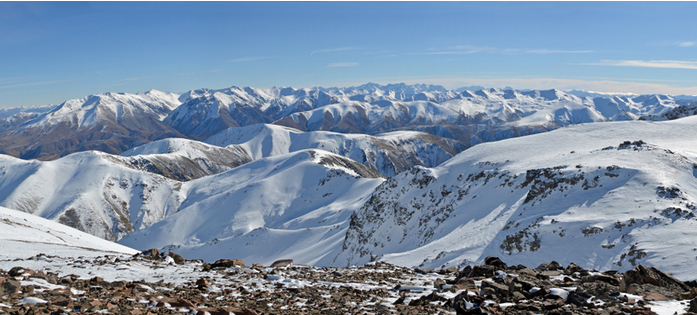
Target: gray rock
[(282, 263)]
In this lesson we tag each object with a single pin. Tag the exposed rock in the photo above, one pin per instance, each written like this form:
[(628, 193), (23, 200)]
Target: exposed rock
[(282, 263), (693, 306), (9, 286), (178, 259), (279, 290), (496, 262), (226, 263), (152, 253), (552, 265)]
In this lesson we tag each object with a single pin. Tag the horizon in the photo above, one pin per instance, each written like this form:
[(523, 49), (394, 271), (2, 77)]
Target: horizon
[(55, 51)]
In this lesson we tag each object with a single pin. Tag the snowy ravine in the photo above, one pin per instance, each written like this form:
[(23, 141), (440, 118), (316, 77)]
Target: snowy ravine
[(94, 192), (389, 153), (294, 206), (605, 196)]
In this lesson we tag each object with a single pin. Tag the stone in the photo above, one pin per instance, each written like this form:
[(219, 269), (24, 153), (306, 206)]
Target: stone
[(633, 288), (183, 303), (551, 273), (282, 263), (483, 271), (202, 283), (245, 311), (609, 279), (494, 289), (438, 283), (572, 268), (178, 259), (9, 287), (152, 253), (576, 299), (468, 284), (552, 265), (227, 263), (496, 262), (693, 306), (465, 272), (654, 297), (63, 301), (16, 272)]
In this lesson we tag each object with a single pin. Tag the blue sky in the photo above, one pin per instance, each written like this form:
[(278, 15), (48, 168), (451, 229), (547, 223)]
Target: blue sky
[(54, 51)]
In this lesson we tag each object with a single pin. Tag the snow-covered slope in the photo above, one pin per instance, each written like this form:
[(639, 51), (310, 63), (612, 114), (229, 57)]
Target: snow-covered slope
[(675, 113), (23, 235), (183, 159), (294, 206), (389, 153), (91, 191), (606, 196), (109, 122)]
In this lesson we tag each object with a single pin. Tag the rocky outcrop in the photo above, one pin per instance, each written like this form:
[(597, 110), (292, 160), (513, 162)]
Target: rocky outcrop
[(375, 288)]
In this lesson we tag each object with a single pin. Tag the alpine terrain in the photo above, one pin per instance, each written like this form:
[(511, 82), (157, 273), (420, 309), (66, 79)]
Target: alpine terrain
[(412, 175)]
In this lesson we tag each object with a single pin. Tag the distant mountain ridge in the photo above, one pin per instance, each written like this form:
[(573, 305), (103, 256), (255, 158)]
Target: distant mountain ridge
[(109, 122), (116, 122)]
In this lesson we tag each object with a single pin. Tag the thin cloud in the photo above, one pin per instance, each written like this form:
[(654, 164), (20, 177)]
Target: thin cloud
[(467, 49), (2, 87), (342, 64), (333, 50), (687, 44), (668, 64), (548, 51), (246, 59)]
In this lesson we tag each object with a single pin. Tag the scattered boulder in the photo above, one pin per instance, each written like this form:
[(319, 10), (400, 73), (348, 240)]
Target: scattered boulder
[(496, 262), (16, 272), (227, 263), (572, 268), (550, 266), (9, 286), (645, 281), (513, 290), (282, 263), (178, 259), (693, 306), (202, 283), (152, 253), (482, 271)]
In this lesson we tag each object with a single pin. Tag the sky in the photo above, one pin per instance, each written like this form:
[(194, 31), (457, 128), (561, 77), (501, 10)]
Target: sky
[(54, 51)]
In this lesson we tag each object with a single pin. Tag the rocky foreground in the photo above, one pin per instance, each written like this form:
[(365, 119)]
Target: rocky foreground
[(128, 285)]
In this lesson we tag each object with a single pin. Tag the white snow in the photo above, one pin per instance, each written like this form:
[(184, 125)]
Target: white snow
[(618, 221), (284, 206), (23, 235), (377, 152)]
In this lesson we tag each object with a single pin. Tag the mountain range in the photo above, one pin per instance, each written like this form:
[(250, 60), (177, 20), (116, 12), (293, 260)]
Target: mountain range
[(116, 122), (415, 175)]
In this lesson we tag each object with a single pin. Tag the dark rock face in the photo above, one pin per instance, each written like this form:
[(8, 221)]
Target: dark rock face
[(226, 263), (541, 290)]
